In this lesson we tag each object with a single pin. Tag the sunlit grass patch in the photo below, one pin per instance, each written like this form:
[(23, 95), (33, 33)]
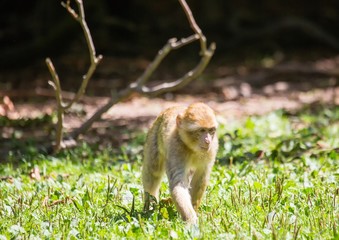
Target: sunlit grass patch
[(276, 176)]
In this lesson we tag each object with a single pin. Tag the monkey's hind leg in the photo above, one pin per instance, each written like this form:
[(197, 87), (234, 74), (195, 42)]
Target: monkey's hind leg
[(151, 184), (152, 173)]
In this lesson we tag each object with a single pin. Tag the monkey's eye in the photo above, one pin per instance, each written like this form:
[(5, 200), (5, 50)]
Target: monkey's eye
[(202, 130), (212, 131)]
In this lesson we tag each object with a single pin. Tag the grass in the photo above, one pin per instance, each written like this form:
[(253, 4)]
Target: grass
[(276, 177)]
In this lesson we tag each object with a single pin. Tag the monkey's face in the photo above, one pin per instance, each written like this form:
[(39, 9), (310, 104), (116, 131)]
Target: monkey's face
[(205, 138), (199, 139), (197, 126)]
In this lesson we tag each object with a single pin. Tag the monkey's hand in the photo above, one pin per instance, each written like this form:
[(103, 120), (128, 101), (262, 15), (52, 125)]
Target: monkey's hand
[(149, 200)]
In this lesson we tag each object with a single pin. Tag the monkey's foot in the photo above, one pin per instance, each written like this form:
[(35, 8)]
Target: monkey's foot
[(166, 201)]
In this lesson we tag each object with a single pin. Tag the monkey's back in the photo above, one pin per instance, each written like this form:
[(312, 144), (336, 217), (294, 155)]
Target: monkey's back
[(163, 128), (156, 149)]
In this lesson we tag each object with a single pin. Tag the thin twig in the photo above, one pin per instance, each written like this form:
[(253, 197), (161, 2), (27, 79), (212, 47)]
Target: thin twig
[(70, 10), (60, 109), (185, 41), (56, 82)]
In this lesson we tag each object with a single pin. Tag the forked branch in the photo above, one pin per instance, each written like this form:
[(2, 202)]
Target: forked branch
[(194, 25), (140, 84), (61, 106)]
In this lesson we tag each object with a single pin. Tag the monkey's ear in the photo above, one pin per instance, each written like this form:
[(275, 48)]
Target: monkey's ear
[(179, 118)]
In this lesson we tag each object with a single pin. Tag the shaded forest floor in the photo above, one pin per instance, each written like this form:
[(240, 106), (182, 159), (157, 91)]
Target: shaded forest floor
[(233, 92)]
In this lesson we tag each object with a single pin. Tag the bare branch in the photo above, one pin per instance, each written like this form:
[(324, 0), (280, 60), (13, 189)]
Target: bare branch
[(185, 41), (92, 53), (70, 9), (194, 25), (171, 45), (97, 115), (61, 107), (139, 84), (188, 77), (56, 82)]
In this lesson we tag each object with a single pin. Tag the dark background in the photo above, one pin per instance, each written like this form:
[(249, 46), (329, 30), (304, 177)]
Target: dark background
[(32, 30)]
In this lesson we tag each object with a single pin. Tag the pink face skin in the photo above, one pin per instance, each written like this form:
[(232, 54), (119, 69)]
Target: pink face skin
[(206, 138)]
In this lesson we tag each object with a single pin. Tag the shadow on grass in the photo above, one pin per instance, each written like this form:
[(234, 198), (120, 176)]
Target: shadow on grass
[(22, 139), (25, 139)]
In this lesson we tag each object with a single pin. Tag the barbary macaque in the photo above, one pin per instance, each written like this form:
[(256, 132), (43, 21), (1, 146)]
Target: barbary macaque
[(181, 142)]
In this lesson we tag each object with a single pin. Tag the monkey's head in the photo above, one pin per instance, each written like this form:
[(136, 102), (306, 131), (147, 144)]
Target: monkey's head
[(197, 127)]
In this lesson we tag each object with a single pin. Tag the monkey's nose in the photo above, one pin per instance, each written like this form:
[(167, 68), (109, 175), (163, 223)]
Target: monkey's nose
[(207, 141)]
